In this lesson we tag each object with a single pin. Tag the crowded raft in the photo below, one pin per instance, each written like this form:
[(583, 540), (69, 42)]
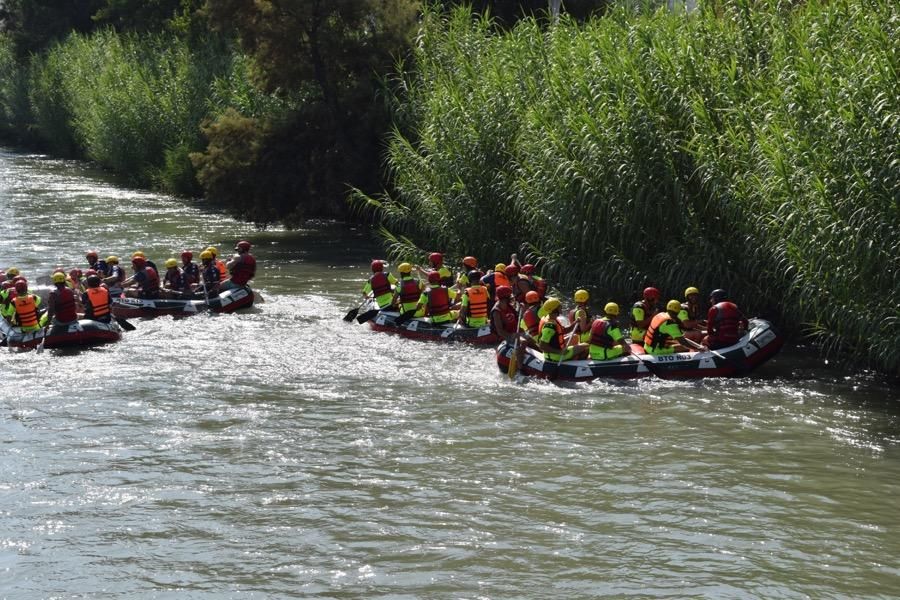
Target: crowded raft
[(90, 306), (509, 305)]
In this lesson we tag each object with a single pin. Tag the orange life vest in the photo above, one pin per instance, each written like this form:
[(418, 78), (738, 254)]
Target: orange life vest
[(98, 299), (654, 338), (26, 310), (478, 301), (557, 342)]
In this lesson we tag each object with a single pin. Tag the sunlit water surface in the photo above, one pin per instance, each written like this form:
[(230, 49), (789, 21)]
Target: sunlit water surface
[(285, 453)]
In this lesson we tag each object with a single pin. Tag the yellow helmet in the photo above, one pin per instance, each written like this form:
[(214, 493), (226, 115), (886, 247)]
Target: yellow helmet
[(212, 250), (12, 271), (582, 296), (673, 305), (138, 254), (58, 277), (171, 263), (112, 260), (611, 308), (405, 268), (500, 267), (550, 305), (206, 255), (691, 290)]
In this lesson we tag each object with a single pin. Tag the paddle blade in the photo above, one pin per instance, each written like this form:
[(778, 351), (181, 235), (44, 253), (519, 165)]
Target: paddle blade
[(513, 365), (351, 314), (125, 324), (367, 316)]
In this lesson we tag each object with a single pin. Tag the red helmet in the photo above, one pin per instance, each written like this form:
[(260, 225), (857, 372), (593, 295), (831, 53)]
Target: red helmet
[(91, 254), (504, 291), (532, 297), (651, 293), (187, 255), (7, 284), (377, 266), (21, 285), (138, 261), (511, 270), (471, 262), (436, 259), (527, 269), (243, 246), (90, 272), (434, 277), (75, 273)]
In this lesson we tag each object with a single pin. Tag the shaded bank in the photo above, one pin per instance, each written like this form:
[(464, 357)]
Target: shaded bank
[(747, 147)]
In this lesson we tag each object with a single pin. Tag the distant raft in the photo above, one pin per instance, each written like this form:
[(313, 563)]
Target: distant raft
[(79, 334), (224, 302), (759, 344), (424, 329)]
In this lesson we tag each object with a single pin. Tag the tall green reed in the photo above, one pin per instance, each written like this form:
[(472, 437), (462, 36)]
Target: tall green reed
[(751, 145)]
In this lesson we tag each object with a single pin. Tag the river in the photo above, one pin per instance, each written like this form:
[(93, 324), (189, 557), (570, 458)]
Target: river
[(283, 453)]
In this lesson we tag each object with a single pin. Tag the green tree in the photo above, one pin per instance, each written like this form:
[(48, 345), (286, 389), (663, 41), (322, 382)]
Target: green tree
[(34, 24), (324, 55)]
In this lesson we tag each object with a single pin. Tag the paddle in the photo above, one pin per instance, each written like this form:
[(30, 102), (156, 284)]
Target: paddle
[(368, 315), (124, 324), (40, 347), (351, 314), (568, 343), (514, 357)]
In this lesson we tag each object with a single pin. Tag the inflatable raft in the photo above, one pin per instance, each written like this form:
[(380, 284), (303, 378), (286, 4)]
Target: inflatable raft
[(760, 343), (223, 302), (424, 329), (80, 334)]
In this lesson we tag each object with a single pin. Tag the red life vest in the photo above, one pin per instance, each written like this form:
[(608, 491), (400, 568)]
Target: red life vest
[(380, 284), (508, 315), (98, 302), (599, 335), (438, 301), (151, 283), (723, 320), (409, 290), (244, 270), (654, 337), (478, 301), (26, 310), (65, 305), (531, 321)]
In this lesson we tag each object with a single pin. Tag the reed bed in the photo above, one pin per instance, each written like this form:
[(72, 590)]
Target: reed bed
[(751, 146)]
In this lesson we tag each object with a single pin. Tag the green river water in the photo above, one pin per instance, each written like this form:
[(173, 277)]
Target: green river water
[(283, 453)]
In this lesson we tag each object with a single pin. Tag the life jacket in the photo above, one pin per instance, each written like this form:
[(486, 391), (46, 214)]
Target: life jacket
[(558, 341), (26, 310), (409, 290), (98, 301), (380, 284), (119, 272), (500, 278), (244, 270), (211, 274), (65, 305), (600, 334), (191, 273), (223, 271), (694, 311), (508, 316), (723, 321), (530, 321), (446, 276), (478, 301), (636, 332), (438, 301), (151, 283), (654, 338), (175, 279)]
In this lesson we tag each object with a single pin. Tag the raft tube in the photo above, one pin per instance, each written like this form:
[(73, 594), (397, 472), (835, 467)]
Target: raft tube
[(224, 302), (424, 329), (760, 343), (79, 334)]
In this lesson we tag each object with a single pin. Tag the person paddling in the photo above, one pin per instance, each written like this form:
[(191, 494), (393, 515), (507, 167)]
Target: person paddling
[(190, 269), (725, 321), (241, 267), (61, 308), (145, 280), (552, 340), (96, 300), (664, 335), (642, 312), (380, 285), (26, 306), (115, 277), (606, 340), (503, 315)]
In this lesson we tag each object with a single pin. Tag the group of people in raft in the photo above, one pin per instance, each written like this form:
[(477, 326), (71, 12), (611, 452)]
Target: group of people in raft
[(90, 290), (512, 299)]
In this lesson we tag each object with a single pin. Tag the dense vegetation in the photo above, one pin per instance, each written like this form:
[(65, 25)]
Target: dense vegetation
[(752, 146)]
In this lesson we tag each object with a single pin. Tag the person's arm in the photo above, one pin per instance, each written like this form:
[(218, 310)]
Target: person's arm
[(51, 304)]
